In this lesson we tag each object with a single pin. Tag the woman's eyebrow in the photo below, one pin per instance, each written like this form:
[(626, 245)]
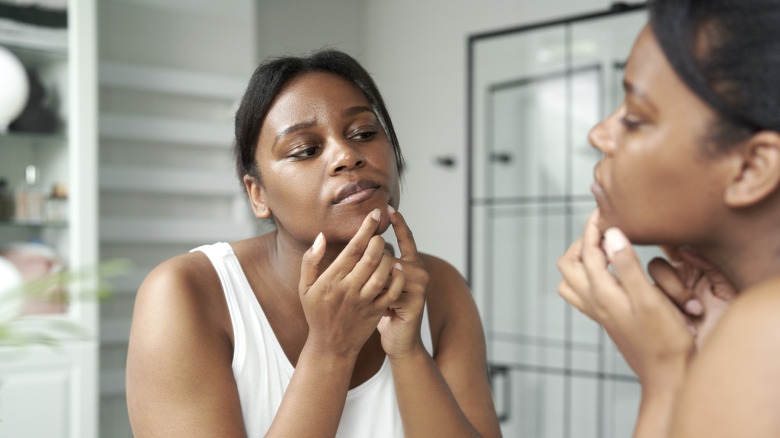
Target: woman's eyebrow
[(292, 129), (639, 94), (351, 111)]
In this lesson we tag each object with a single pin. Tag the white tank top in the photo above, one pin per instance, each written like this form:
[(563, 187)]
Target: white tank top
[(262, 370)]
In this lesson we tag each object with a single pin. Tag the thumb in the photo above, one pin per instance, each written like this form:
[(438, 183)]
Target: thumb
[(624, 261), (310, 265)]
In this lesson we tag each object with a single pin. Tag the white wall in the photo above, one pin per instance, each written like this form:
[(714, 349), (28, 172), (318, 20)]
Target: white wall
[(296, 27), (171, 72), (416, 51)]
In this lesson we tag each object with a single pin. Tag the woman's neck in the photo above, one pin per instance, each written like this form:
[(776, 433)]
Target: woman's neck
[(285, 255), (748, 255)]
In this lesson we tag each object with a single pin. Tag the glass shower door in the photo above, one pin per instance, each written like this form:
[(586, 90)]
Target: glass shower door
[(535, 93)]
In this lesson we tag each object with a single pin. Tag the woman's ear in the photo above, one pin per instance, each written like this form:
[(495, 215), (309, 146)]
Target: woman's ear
[(759, 175), (256, 194)]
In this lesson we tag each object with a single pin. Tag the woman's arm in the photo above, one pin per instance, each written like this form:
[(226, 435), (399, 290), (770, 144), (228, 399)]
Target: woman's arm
[(179, 377), (447, 395), (645, 324)]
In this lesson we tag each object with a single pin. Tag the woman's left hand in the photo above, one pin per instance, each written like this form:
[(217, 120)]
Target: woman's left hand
[(644, 323), (400, 326)]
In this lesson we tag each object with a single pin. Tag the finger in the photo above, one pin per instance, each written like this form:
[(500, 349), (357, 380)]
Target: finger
[(722, 287), (604, 290), (403, 235), (378, 279), (696, 260), (625, 262), (395, 289), (668, 279), (671, 252), (591, 242), (573, 253), (573, 271), (571, 296), (354, 250), (310, 265), (368, 263)]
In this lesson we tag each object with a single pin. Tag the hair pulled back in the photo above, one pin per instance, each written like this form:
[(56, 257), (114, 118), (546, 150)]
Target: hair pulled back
[(268, 80), (735, 68)]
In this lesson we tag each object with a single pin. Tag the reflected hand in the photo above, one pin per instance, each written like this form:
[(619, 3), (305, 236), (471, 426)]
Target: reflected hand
[(646, 326), (696, 285)]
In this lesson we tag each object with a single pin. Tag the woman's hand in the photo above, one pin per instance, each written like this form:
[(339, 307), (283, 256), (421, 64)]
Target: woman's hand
[(344, 304), (400, 325), (644, 323), (706, 292)]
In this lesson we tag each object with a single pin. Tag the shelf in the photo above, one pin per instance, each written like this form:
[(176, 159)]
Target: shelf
[(177, 231), (172, 181), (171, 131), (34, 39), (170, 81), (29, 224), (26, 138)]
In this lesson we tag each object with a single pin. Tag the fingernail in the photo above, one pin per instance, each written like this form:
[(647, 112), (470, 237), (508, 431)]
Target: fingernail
[(693, 307), (390, 209), (399, 267), (317, 241), (376, 214), (615, 240)]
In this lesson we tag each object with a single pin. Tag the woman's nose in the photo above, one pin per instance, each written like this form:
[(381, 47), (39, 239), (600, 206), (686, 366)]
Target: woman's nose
[(345, 157), (602, 136)]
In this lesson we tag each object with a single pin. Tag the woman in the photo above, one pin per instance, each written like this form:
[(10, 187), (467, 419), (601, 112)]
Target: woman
[(314, 329), (691, 160)]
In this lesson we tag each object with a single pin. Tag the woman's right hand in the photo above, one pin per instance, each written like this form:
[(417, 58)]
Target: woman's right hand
[(700, 290), (344, 304), (644, 323)]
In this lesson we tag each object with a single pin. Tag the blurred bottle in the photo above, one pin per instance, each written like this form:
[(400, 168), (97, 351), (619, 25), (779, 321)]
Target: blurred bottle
[(30, 198), (57, 204), (6, 201)]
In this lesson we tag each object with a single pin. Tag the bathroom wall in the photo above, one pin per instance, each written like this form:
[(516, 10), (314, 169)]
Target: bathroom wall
[(171, 72)]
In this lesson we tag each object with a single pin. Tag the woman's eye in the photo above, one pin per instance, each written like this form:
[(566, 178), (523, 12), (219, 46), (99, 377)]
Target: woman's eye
[(631, 123), (364, 135), (306, 152)]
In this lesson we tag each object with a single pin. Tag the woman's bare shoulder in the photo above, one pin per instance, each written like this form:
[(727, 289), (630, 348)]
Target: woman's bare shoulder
[(184, 276), (445, 282), (754, 310), (449, 298), (184, 289), (733, 381)]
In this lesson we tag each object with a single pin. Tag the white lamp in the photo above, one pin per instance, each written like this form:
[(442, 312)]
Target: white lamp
[(14, 88)]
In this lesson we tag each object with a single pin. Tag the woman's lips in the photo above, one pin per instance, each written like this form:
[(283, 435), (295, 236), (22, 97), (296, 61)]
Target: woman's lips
[(596, 189), (356, 192), (357, 196)]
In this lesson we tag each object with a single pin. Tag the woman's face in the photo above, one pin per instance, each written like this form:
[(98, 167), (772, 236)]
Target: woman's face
[(324, 159), (658, 179)]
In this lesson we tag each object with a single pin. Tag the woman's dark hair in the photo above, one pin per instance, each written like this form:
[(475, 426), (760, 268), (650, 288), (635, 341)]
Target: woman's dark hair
[(728, 53), (269, 78)]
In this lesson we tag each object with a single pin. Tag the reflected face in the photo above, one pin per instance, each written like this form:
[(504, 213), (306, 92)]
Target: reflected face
[(324, 159), (658, 180)]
